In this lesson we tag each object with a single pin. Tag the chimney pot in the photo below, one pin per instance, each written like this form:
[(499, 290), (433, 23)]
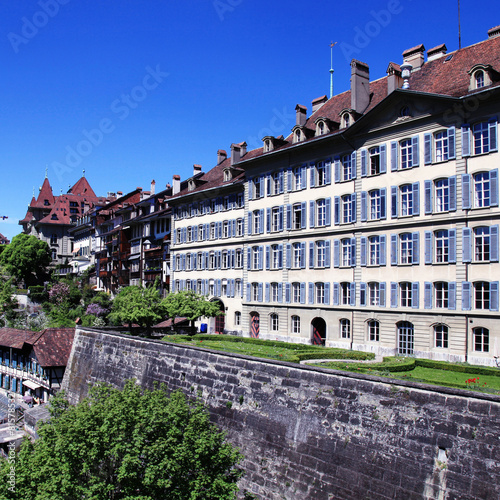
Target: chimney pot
[(360, 86), (436, 52), (301, 115), (153, 185), (415, 56), (318, 102), (176, 184), (221, 156), (196, 169), (235, 153)]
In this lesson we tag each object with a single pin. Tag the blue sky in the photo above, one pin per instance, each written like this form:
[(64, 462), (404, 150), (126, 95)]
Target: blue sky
[(131, 91)]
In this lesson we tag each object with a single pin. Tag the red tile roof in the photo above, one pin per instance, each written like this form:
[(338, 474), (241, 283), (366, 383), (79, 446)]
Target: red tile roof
[(12, 337)]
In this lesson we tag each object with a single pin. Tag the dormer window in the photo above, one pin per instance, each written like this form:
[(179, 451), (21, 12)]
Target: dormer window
[(267, 146), (227, 175), (321, 128), (479, 79), (480, 76), (298, 136), (191, 185), (346, 120)]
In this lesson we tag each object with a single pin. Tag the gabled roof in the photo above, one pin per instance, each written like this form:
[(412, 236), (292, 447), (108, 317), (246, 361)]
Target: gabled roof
[(53, 346)]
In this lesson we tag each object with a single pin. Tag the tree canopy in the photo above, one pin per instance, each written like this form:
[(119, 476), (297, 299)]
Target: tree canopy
[(190, 305), (129, 444), (26, 258)]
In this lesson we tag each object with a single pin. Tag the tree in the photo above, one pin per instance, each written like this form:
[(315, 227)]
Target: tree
[(129, 444), (8, 303), (135, 304), (190, 305), (27, 258)]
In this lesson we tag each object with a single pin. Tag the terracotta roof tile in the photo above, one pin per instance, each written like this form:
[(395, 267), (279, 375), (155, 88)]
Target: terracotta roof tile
[(53, 346)]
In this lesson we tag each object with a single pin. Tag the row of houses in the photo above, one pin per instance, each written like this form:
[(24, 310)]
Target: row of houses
[(373, 225)]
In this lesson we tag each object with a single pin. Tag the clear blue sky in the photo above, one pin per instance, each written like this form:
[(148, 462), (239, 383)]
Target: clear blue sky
[(171, 82)]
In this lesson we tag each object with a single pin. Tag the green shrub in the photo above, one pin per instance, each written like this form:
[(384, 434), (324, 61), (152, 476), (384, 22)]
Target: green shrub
[(458, 367), (38, 293), (335, 354)]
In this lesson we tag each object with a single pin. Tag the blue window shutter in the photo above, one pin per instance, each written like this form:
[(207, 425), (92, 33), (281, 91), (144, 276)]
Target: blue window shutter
[(304, 214), (232, 287), (364, 206), (280, 217), (261, 180), (466, 186), (352, 287), (427, 197), (336, 253), (312, 212), (466, 140), (250, 191), (173, 237), (269, 190), (195, 233), (466, 244), (415, 295), (312, 175), (353, 207), (394, 294), (382, 294), (416, 199), (230, 228), (311, 255), (336, 290), (353, 165), (363, 243), (261, 221), (328, 171), (494, 296), (261, 258), (394, 201), (493, 141), (249, 259), (466, 295), (303, 255), (494, 243), (266, 292), (280, 293), (328, 211), (302, 293), (259, 292), (268, 257), (353, 252), (311, 293), (288, 294), (336, 210), (288, 255), (268, 220), (364, 170), (327, 294), (280, 181), (303, 174), (427, 295), (427, 149), (220, 229), (328, 253), (452, 184), (416, 247), (394, 249), (289, 179), (494, 187), (452, 295), (336, 162), (383, 250), (415, 152), (383, 203), (289, 217), (173, 263), (249, 223), (362, 294), (183, 262), (219, 287), (451, 143), (383, 158), (184, 233), (280, 255), (394, 156), (452, 246), (428, 247)]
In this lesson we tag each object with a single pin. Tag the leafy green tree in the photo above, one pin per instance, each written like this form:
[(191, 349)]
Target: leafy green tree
[(190, 305), (135, 304), (8, 303), (129, 444), (27, 258)]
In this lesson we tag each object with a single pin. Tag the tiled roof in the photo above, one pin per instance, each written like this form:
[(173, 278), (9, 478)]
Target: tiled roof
[(53, 346), (12, 337)]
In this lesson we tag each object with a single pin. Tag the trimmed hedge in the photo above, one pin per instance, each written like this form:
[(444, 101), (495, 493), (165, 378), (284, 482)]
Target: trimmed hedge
[(335, 354), (458, 367), (390, 364)]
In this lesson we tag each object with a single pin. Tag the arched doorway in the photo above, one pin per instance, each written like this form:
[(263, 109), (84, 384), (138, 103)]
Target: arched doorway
[(318, 331), (254, 324), (220, 319)]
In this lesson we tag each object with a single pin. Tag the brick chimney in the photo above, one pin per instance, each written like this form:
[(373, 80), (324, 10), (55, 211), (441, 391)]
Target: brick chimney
[(176, 184), (318, 102), (301, 115), (436, 52), (235, 153), (196, 169), (360, 86), (221, 156), (415, 56)]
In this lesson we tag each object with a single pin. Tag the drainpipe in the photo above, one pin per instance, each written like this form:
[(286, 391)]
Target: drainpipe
[(467, 264)]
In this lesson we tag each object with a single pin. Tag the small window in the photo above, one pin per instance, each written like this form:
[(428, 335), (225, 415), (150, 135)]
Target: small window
[(373, 330), (345, 329), (479, 79), (274, 322), (481, 339), (237, 318), (346, 120), (296, 324), (441, 336)]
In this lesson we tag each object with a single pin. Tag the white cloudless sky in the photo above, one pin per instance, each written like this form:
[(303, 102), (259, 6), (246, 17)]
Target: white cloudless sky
[(131, 91)]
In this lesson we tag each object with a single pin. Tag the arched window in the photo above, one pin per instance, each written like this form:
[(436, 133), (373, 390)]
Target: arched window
[(405, 337), (298, 136), (346, 120), (345, 329), (296, 324), (274, 322), (441, 336), (481, 339), (373, 330), (321, 128), (479, 79)]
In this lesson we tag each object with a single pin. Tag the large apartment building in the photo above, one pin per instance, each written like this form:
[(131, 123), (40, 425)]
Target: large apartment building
[(373, 225)]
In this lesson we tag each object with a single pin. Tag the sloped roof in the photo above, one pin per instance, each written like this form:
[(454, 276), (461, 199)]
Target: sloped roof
[(53, 346), (12, 337), (82, 188), (44, 194)]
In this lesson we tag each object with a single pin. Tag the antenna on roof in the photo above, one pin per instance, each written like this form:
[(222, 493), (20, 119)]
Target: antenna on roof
[(459, 29), (332, 44), (46, 171), (83, 175)]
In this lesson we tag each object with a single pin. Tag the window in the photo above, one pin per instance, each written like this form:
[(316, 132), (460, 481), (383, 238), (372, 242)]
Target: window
[(442, 195), (481, 339), (347, 167), (257, 221), (296, 293), (375, 160), (321, 174), (199, 260), (225, 260), (213, 231), (258, 187), (441, 336), (299, 178), (239, 227), (53, 253), (296, 324), (406, 153), (255, 292), (345, 294), (322, 259), (274, 292), (319, 293), (374, 294), (189, 262), (405, 294), (346, 120), (276, 219), (276, 257), (481, 244), (255, 258), (347, 209), (406, 248), (405, 338), (274, 322), (376, 208), (479, 79), (237, 289), (211, 261), (53, 239), (238, 258), (481, 190), (298, 216), (277, 179), (297, 257), (482, 295), (441, 146), (406, 200), (346, 252), (321, 215), (237, 318), (320, 130), (298, 135), (484, 137), (374, 249), (373, 330), (345, 329), (225, 229), (442, 242), (441, 294)]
